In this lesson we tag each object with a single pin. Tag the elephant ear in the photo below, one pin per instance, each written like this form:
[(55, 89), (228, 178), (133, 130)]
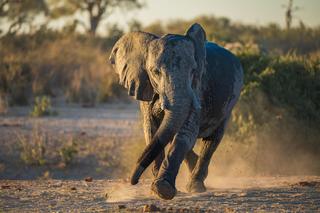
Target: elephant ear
[(128, 57), (198, 36)]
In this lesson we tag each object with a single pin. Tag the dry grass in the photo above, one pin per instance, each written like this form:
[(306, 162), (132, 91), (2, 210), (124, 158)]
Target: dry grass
[(38, 148), (71, 67), (3, 104), (34, 147)]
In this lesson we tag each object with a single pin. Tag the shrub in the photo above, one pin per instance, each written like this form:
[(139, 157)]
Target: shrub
[(38, 149), (15, 80), (278, 114), (289, 82), (68, 151), (42, 107), (3, 104), (33, 148), (56, 64)]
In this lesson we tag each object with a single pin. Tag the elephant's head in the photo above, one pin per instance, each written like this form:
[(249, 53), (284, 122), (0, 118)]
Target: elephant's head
[(170, 66)]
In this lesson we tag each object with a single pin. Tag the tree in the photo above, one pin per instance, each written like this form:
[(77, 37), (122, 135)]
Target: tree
[(96, 10), (289, 13), (14, 14)]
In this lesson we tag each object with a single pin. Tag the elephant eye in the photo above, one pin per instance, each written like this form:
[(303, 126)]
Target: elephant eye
[(156, 71)]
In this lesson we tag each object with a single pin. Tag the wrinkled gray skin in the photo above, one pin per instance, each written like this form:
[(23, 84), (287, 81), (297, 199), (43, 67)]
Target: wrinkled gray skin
[(187, 88)]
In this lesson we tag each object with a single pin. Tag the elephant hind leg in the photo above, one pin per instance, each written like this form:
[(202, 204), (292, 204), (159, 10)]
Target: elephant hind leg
[(191, 159), (200, 171)]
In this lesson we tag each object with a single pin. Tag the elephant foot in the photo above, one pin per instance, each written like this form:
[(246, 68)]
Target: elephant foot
[(196, 186), (163, 189)]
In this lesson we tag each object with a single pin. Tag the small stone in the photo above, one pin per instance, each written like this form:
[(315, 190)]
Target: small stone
[(150, 208), (73, 188), (5, 187), (307, 183), (229, 210), (88, 179), (121, 206), (61, 165)]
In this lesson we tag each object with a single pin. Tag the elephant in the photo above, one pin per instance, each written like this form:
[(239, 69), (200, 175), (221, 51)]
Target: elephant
[(187, 88)]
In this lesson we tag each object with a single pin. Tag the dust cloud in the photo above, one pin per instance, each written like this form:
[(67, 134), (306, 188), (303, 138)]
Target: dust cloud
[(287, 149), (125, 192), (272, 156)]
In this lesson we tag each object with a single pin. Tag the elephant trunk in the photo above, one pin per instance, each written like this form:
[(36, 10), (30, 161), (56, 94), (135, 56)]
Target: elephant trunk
[(172, 122)]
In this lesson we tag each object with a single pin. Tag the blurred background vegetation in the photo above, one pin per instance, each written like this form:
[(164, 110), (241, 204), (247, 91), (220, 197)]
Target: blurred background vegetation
[(280, 100)]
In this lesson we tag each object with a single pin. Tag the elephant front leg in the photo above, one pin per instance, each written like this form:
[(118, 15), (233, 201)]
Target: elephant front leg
[(183, 142), (200, 171), (157, 164), (150, 127)]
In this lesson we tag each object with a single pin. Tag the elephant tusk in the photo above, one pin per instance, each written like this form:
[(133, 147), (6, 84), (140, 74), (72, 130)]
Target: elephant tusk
[(164, 102), (162, 106)]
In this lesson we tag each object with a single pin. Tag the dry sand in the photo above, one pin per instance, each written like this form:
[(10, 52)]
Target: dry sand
[(282, 194)]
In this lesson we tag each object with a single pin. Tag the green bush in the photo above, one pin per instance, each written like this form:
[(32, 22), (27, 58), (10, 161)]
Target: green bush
[(42, 107), (289, 82), (68, 151), (278, 114)]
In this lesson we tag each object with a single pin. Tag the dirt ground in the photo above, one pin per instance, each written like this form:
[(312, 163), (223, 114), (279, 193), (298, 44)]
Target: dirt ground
[(104, 120), (102, 134), (283, 194)]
